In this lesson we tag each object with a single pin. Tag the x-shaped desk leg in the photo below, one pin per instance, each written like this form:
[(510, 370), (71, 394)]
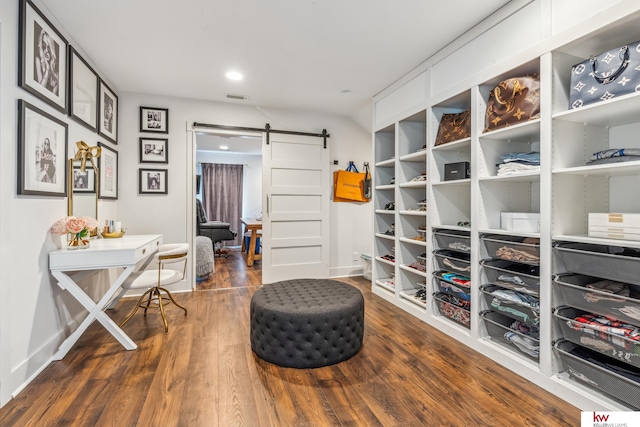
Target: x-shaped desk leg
[(95, 311)]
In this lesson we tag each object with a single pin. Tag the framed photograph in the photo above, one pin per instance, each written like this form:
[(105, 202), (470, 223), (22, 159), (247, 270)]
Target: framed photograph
[(108, 171), (42, 152), (43, 57), (154, 120), (154, 150), (83, 93), (108, 113), (84, 182), (152, 181)]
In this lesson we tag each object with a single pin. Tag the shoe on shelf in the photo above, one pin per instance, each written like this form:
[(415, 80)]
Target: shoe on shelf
[(419, 178)]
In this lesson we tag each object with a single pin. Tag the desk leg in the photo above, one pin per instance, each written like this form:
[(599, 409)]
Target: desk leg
[(95, 312), (243, 247), (252, 248)]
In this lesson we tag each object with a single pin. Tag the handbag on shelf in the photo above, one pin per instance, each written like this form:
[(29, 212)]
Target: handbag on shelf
[(513, 101), (603, 77), (454, 126), (348, 185)]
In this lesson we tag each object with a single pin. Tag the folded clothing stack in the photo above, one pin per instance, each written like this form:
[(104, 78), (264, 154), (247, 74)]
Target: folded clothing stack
[(614, 155), (518, 163)]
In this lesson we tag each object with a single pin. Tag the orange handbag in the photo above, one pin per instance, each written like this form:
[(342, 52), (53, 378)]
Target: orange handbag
[(348, 185)]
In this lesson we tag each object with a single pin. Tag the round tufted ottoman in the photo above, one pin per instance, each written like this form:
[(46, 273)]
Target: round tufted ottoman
[(307, 323)]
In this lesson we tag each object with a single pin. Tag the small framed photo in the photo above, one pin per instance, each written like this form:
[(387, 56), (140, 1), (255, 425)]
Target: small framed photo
[(154, 150), (154, 120), (83, 93), (153, 181), (84, 181), (42, 152), (43, 57), (108, 113), (108, 173)]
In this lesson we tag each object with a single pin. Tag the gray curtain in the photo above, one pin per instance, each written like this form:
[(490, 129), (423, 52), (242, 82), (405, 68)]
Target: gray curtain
[(222, 195)]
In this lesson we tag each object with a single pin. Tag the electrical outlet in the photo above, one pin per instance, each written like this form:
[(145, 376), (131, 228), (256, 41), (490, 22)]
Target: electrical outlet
[(355, 256)]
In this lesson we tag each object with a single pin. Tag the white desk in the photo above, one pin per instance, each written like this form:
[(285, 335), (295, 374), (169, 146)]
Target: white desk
[(67, 265)]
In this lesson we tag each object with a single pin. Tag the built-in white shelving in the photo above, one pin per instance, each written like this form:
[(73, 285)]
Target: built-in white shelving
[(563, 191)]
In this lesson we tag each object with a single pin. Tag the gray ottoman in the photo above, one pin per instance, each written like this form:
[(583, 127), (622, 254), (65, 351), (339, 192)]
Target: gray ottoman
[(307, 323)]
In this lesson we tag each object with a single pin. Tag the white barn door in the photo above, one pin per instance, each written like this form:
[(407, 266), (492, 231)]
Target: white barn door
[(296, 196)]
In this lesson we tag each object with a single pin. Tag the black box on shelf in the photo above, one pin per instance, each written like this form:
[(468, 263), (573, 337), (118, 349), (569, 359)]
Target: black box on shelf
[(458, 170)]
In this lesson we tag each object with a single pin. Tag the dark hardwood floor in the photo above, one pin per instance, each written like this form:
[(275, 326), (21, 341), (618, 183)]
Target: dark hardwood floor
[(203, 373)]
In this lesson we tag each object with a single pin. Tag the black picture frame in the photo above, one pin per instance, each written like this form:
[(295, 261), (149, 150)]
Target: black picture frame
[(108, 173), (107, 113), (153, 181), (84, 84), (42, 152), (154, 150), (43, 65), (154, 120), (84, 181)]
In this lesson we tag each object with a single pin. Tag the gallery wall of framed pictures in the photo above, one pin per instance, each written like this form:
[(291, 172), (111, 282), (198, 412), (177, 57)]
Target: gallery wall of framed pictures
[(56, 73), (153, 150)]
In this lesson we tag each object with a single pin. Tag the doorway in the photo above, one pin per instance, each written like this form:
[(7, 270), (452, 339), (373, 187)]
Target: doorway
[(216, 154)]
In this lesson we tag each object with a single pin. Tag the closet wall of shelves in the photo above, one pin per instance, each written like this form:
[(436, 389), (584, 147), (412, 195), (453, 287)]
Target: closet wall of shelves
[(440, 250)]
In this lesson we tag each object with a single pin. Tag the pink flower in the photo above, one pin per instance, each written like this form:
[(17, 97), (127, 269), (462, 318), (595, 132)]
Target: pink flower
[(60, 226), (76, 225), (71, 224)]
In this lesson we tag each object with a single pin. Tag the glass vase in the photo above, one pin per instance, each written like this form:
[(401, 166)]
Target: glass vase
[(77, 241)]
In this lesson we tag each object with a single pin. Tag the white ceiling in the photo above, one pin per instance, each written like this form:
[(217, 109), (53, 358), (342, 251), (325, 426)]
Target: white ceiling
[(294, 54)]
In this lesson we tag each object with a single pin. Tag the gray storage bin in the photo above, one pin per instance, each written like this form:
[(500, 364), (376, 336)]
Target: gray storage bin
[(498, 325), (452, 312), (514, 310), (512, 248), (574, 292), (607, 262), (615, 346), (449, 287), (512, 275), (605, 380), (456, 262), (455, 240)]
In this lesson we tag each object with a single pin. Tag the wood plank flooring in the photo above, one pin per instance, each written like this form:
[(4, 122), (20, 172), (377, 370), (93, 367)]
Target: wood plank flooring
[(203, 373)]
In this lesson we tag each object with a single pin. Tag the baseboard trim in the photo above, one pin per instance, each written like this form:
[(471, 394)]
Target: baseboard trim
[(345, 271)]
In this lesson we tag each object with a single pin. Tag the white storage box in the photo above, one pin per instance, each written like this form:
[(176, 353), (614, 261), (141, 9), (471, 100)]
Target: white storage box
[(614, 226), (366, 266), (521, 222)]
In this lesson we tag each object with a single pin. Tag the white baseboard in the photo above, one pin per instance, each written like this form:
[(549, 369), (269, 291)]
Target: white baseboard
[(353, 270), (25, 372)]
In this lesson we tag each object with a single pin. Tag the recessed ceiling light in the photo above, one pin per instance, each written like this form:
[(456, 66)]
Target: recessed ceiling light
[(224, 147), (234, 75)]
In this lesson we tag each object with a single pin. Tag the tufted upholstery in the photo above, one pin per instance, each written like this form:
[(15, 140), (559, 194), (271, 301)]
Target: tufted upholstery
[(307, 323)]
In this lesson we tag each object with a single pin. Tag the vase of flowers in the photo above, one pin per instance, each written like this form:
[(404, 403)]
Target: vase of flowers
[(78, 230)]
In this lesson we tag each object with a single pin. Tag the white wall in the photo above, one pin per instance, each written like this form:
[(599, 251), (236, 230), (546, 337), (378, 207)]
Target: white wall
[(351, 224), (251, 182)]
